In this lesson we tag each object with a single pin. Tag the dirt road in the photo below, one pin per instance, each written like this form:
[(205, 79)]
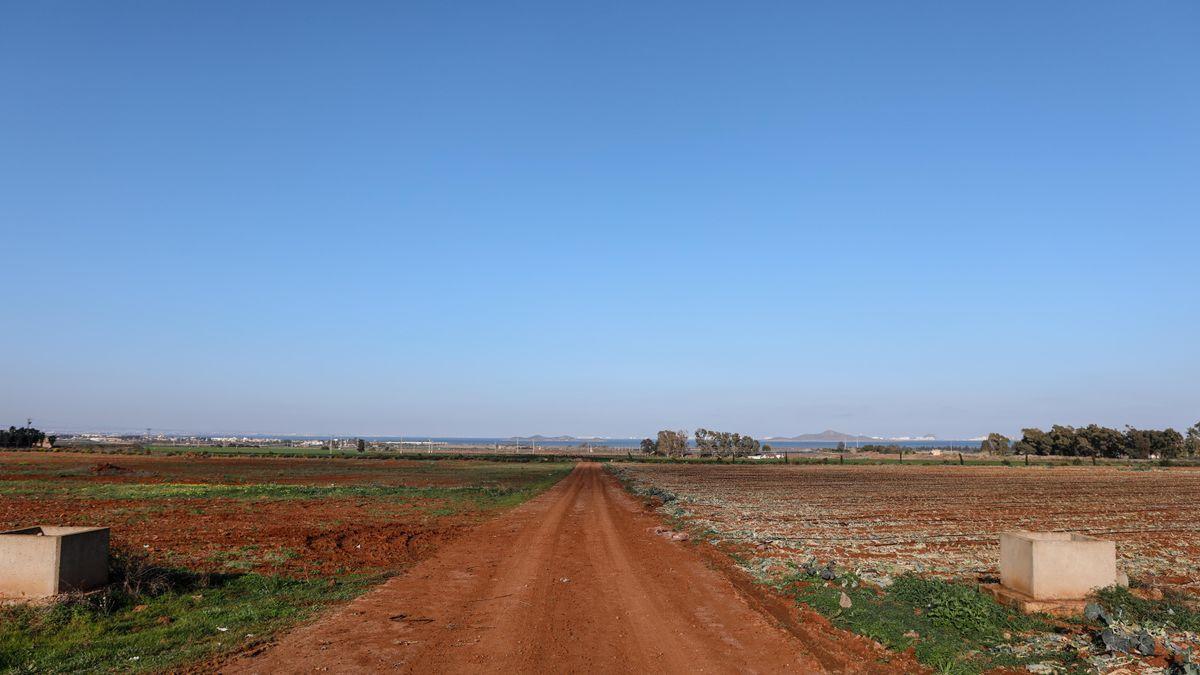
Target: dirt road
[(575, 580)]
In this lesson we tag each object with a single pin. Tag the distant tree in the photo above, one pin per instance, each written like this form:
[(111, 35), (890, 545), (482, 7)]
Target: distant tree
[(1095, 440), (1066, 442), (745, 446), (717, 443), (362, 445), (996, 444), (1139, 443), (1192, 443), (725, 444), (672, 443), (25, 437), (1033, 442), (1168, 444), (841, 446), (1104, 442), (649, 447)]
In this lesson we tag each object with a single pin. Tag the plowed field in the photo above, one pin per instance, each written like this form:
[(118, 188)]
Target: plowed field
[(934, 519), (294, 517)]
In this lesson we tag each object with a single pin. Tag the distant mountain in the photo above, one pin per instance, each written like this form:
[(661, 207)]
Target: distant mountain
[(827, 435)]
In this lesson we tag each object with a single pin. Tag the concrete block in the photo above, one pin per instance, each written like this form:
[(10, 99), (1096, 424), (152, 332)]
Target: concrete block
[(1056, 565), (38, 562)]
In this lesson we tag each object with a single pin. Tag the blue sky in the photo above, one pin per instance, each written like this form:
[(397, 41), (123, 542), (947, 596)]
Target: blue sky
[(503, 218)]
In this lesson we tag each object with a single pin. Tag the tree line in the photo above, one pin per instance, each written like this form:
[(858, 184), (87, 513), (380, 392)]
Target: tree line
[(708, 444), (1097, 441), (25, 437)]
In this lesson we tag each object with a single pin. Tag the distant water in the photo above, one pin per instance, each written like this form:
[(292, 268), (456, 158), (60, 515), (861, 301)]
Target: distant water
[(633, 443)]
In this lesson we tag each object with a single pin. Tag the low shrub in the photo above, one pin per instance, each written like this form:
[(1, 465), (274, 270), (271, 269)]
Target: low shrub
[(1172, 610), (949, 626)]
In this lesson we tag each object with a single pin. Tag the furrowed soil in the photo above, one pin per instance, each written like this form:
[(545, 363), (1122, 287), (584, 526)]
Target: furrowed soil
[(941, 520), (577, 579)]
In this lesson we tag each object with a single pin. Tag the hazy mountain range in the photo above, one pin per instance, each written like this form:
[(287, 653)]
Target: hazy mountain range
[(831, 435)]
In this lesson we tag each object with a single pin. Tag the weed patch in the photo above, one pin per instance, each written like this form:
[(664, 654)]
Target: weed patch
[(1172, 610), (155, 619), (950, 627)]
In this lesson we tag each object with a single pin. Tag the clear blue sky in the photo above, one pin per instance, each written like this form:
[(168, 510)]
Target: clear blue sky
[(447, 218)]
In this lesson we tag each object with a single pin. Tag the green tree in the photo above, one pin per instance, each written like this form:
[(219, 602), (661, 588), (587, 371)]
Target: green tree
[(996, 444), (724, 444), (1192, 443), (1168, 444), (1104, 441), (649, 446), (1064, 441), (745, 446), (1033, 442), (1139, 443), (672, 443), (25, 437)]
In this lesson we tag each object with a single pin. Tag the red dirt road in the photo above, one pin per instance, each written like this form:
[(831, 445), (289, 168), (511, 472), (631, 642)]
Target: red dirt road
[(574, 580)]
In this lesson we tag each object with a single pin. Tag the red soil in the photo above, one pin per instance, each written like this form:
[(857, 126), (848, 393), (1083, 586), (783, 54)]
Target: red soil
[(575, 580), (293, 537), (92, 467)]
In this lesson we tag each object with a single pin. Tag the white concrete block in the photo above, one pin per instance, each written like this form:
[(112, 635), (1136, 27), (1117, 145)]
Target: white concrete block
[(1056, 565), (38, 562)]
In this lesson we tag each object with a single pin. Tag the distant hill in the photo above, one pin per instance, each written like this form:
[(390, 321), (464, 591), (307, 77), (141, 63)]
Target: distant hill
[(827, 435)]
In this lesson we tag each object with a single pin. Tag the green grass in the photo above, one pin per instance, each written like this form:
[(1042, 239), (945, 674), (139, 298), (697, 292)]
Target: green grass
[(480, 496), (951, 627), (195, 621)]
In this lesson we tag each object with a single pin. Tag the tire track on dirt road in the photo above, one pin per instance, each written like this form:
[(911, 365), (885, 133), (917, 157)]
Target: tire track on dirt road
[(574, 580)]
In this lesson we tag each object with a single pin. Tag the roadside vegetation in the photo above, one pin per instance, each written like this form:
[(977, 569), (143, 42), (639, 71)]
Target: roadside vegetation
[(950, 627), (153, 619), (954, 628), (1170, 609)]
